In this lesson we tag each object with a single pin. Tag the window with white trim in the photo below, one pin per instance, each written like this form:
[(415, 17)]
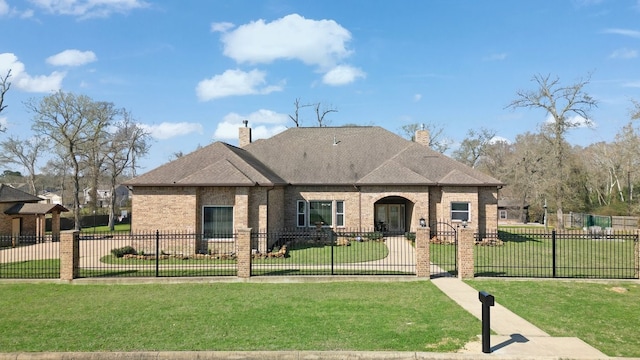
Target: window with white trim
[(301, 214), (327, 212), (217, 222), (503, 214), (339, 213), (460, 211)]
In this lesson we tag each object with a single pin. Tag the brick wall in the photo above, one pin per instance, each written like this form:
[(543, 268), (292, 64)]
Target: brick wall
[(180, 208), (164, 208)]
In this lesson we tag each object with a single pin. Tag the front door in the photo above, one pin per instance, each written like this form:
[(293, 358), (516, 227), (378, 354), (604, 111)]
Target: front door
[(390, 217)]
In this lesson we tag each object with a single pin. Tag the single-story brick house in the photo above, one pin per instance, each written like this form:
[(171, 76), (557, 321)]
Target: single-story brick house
[(356, 178), (21, 214)]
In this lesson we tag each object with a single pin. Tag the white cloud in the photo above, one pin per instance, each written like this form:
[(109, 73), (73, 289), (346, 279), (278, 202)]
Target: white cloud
[(342, 75), (4, 7), (624, 53), (221, 27), (633, 84), (314, 42), (624, 32), (168, 130), (495, 57), (264, 124), (3, 123), (575, 121), (499, 139), (72, 57), (89, 8), (25, 82), (417, 97), (234, 82)]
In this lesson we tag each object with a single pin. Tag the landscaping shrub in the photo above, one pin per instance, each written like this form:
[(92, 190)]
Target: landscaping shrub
[(120, 252)]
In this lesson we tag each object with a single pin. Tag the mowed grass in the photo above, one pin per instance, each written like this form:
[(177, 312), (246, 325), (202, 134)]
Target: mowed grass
[(366, 316), (605, 315)]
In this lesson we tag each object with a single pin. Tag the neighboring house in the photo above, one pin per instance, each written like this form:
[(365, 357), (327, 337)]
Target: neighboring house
[(48, 197), (104, 196), (356, 178), (512, 211), (21, 214)]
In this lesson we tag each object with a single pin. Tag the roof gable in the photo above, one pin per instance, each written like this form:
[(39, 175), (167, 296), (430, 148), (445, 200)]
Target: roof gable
[(391, 173), (9, 194), (34, 209), (215, 164)]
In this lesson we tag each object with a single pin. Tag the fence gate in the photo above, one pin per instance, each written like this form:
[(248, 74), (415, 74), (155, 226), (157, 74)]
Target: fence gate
[(443, 249)]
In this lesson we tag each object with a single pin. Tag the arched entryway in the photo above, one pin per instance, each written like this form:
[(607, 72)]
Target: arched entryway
[(392, 214)]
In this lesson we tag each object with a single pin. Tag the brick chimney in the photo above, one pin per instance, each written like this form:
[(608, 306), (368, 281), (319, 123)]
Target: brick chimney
[(422, 136), (244, 137)]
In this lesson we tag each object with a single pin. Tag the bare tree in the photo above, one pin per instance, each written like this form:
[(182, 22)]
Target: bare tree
[(437, 140), (474, 146), (321, 113), (25, 153), (4, 87), (67, 119), (296, 117), (128, 140), (93, 149), (560, 102)]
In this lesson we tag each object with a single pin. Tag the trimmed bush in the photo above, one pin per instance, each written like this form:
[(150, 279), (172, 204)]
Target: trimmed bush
[(120, 252)]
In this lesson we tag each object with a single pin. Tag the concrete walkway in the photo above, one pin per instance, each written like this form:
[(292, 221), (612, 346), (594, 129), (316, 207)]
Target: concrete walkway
[(515, 336)]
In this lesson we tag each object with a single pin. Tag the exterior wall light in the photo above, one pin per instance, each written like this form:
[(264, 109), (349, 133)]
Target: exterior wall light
[(423, 222)]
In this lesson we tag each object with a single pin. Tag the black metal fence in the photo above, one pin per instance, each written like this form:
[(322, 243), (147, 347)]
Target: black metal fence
[(157, 254), (443, 249), (330, 252), (568, 254), (29, 257)]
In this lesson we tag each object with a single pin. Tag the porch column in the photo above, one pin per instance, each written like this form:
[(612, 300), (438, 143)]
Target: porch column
[(55, 226), (243, 252), (423, 265), (40, 227), (69, 255), (466, 243)]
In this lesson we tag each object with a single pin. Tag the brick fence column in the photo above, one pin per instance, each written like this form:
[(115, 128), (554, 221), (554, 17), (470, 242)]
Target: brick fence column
[(243, 253), (466, 243), (69, 255), (423, 265)]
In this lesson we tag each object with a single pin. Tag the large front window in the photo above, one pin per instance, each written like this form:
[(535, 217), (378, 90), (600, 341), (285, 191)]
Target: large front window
[(460, 211), (217, 222), (324, 212), (320, 212)]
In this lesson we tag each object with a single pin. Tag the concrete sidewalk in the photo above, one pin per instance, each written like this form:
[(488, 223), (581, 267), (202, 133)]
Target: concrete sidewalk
[(515, 336)]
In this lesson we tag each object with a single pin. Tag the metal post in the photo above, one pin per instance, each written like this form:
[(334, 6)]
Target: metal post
[(553, 252), (487, 301), (157, 253)]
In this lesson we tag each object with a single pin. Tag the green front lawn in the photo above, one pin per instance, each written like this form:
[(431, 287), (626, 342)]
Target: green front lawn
[(605, 315), (31, 269), (365, 316)]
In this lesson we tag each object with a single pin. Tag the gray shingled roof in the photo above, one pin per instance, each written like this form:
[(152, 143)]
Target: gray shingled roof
[(9, 195), (216, 164), (360, 156), (34, 209), (318, 156)]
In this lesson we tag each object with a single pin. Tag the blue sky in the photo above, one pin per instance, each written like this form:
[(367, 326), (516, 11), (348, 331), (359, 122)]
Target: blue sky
[(191, 71)]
